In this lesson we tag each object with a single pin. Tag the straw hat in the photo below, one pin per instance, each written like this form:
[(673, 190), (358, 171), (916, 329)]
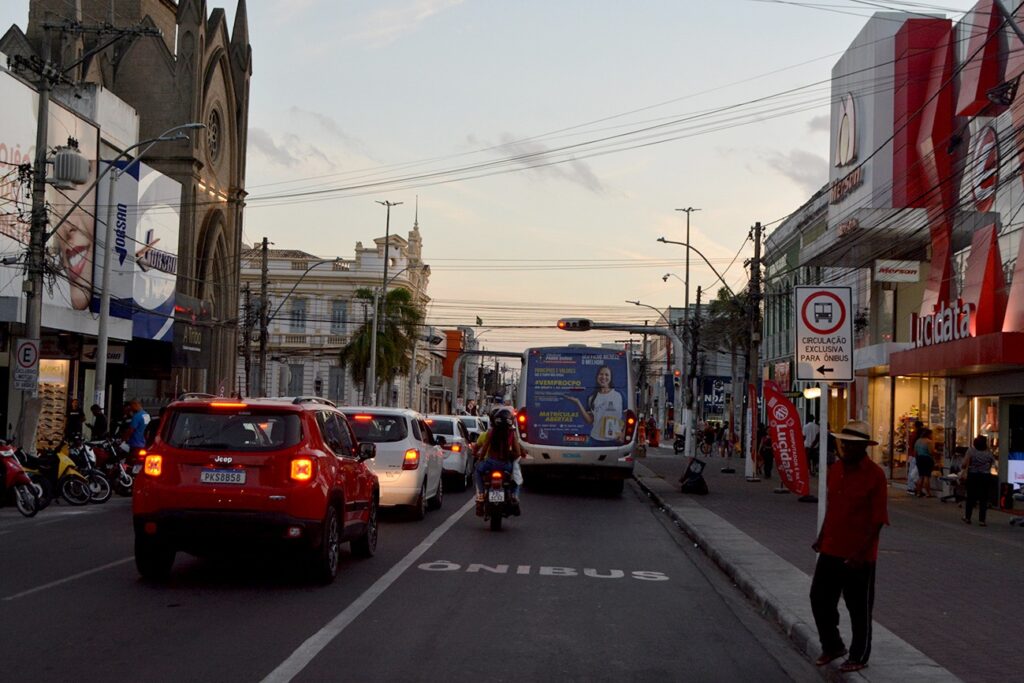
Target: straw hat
[(856, 430)]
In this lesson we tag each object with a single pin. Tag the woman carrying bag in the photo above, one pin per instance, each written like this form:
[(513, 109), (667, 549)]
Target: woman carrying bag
[(978, 463)]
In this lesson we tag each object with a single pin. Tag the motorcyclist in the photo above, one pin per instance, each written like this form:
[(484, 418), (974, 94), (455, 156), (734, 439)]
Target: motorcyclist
[(499, 450)]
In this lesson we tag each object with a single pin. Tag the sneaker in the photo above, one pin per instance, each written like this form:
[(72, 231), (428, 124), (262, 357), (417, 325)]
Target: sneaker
[(967, 521), (827, 657)]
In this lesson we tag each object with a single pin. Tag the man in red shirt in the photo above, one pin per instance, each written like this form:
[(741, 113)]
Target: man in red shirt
[(848, 547)]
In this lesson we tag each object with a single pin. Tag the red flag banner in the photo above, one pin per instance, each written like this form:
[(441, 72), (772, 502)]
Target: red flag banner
[(787, 440)]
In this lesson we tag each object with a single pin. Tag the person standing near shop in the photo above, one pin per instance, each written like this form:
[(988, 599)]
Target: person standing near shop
[(812, 434), (99, 423), (74, 421), (140, 419), (924, 457), (978, 463), (848, 548)]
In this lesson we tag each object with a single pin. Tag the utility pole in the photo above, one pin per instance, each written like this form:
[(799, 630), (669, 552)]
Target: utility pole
[(691, 379), (380, 301), (754, 362), (247, 336), (264, 315)]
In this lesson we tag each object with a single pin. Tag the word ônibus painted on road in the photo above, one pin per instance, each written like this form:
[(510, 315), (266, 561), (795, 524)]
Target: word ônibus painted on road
[(526, 570)]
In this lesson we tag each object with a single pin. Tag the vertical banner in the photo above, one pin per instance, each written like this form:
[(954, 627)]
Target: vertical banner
[(787, 440)]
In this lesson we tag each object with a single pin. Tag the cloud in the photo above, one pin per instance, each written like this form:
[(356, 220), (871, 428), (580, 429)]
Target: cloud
[(386, 25), (819, 124), (531, 153), (264, 143), (331, 126), (807, 170), (289, 150)]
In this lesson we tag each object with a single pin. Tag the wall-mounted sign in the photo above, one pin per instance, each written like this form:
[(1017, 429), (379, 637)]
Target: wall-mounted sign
[(949, 322), (846, 138), (897, 271), (841, 189), (115, 353), (846, 227)]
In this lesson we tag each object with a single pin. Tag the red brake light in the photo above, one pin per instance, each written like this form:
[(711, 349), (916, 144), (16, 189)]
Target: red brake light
[(456, 448), (521, 423), (227, 404), (302, 469), (411, 460), (630, 426), (363, 418), (496, 474), (430, 422)]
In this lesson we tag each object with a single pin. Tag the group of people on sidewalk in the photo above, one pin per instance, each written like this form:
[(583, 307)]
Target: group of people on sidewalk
[(973, 472)]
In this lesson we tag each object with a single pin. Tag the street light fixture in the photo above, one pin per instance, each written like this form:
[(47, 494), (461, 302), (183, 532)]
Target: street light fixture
[(102, 333), (705, 258)]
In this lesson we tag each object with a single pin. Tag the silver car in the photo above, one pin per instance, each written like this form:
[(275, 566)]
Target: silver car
[(458, 453), (408, 463)]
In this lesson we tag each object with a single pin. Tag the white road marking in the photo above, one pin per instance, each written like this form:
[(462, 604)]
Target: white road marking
[(298, 660), (67, 579)]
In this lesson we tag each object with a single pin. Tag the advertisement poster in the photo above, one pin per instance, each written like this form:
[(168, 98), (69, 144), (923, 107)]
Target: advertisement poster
[(577, 397), (787, 440), (715, 391)]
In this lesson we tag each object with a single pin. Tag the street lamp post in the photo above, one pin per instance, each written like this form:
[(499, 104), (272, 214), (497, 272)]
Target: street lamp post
[(379, 296), (103, 332), (384, 288)]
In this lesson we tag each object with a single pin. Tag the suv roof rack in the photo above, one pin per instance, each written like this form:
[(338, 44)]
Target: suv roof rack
[(189, 395), (313, 399)]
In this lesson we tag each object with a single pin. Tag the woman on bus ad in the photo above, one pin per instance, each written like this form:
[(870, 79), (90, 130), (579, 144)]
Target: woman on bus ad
[(603, 410)]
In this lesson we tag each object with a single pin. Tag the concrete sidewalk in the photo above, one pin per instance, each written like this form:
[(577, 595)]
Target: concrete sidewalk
[(947, 595)]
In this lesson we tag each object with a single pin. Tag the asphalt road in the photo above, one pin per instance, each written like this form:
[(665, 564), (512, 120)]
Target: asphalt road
[(581, 587)]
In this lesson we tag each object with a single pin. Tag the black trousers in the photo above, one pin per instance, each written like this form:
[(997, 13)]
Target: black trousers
[(832, 579), (978, 485)]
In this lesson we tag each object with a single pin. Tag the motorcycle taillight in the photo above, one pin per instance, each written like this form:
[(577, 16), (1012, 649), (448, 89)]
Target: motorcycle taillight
[(496, 479)]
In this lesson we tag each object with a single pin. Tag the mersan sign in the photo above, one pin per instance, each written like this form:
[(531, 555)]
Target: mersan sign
[(947, 323)]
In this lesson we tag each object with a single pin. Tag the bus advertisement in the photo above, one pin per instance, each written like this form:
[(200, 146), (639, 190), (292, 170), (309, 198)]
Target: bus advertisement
[(576, 411)]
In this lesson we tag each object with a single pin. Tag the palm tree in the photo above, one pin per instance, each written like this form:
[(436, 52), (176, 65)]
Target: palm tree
[(396, 334), (727, 327)]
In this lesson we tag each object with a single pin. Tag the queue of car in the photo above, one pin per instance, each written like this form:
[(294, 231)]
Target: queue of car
[(298, 474)]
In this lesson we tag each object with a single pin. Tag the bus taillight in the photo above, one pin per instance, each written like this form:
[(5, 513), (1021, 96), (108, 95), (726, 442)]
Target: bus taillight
[(630, 426), (521, 423)]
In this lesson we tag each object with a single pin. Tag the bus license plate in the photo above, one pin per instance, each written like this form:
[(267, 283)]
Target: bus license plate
[(496, 496), (222, 476)]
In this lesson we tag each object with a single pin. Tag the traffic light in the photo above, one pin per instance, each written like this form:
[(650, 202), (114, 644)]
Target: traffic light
[(574, 324), (677, 377)]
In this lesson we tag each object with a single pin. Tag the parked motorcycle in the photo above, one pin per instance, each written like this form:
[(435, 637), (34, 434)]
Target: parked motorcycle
[(56, 474), (113, 463), (498, 499), (17, 483), (84, 458)]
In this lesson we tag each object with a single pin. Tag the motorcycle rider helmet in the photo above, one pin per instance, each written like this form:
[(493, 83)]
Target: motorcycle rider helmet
[(503, 416)]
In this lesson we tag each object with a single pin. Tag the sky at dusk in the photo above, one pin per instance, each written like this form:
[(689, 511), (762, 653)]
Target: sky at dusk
[(549, 143)]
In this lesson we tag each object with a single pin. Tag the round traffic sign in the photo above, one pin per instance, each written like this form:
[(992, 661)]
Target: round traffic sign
[(827, 308), (28, 354)]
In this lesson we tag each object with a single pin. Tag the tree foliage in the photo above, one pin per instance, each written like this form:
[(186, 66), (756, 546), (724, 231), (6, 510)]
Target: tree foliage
[(397, 331)]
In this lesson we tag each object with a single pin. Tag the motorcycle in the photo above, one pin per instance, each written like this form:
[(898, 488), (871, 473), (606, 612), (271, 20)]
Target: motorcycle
[(84, 458), (113, 463), (16, 481), (679, 445), (56, 474), (498, 499)]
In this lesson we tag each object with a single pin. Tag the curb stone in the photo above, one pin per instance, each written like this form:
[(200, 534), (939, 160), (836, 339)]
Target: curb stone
[(778, 585)]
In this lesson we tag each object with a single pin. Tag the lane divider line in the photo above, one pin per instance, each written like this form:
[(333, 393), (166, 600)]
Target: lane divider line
[(298, 660), (73, 577)]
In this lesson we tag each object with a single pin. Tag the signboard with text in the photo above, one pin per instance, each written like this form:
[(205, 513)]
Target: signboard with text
[(824, 334), (26, 365)]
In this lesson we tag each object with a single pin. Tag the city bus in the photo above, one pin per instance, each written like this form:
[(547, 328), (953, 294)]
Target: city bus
[(576, 413)]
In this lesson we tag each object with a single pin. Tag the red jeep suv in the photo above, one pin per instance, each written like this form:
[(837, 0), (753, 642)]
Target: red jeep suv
[(225, 473)]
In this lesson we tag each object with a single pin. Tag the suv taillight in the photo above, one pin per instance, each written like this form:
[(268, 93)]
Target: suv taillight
[(521, 423), (630, 426), (302, 469), (411, 460), (154, 465)]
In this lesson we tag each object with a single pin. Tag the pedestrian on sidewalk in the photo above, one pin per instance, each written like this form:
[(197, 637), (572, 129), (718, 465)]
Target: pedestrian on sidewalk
[(848, 547), (812, 434), (924, 456), (978, 462)]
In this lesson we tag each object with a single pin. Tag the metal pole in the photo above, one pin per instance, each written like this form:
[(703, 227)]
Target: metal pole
[(382, 300), (264, 317), (247, 340), (371, 377), (103, 333), (823, 455)]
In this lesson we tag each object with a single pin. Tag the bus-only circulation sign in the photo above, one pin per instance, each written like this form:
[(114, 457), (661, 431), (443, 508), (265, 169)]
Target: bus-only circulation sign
[(824, 334)]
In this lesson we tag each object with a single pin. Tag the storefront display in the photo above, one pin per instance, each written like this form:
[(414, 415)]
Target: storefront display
[(53, 391)]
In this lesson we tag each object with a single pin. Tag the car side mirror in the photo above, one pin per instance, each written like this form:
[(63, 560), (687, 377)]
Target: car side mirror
[(440, 441), (367, 450), (473, 436)]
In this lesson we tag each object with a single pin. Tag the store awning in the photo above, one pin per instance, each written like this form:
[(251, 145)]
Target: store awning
[(975, 355)]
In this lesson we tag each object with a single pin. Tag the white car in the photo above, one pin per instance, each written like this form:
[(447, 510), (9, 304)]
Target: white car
[(473, 425), (408, 462), (458, 455)]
